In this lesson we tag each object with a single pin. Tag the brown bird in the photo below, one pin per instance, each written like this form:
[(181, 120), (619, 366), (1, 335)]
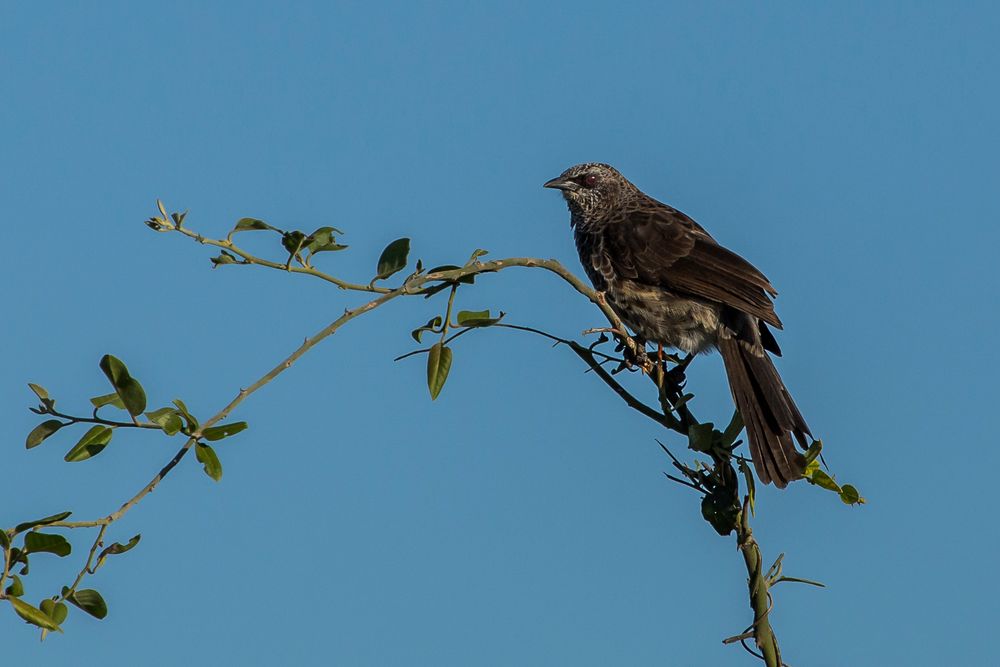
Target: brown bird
[(671, 283)]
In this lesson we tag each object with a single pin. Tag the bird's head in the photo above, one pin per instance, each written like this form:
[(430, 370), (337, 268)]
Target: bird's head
[(592, 190)]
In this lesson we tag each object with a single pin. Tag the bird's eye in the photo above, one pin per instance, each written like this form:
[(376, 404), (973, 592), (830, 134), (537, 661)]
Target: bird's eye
[(590, 180)]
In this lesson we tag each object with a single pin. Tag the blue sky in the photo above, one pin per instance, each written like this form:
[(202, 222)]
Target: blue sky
[(847, 149)]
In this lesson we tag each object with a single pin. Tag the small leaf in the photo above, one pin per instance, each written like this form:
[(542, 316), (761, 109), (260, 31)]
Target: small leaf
[(323, 240), (116, 548), (18, 556), (700, 437), (798, 580), (223, 258), (39, 392), (433, 325), (4, 539), (167, 419), (292, 241), (477, 253), (393, 258), (247, 224), (128, 388), (816, 476), (113, 400), (47, 543), (158, 224), (849, 494), (47, 403), (206, 455), (163, 211), (219, 432), (57, 611), (119, 548), (41, 522), (476, 318), (16, 587), (178, 218), (42, 431), (91, 444), (33, 615), (814, 450), (88, 600), (438, 366), (188, 417), (733, 430)]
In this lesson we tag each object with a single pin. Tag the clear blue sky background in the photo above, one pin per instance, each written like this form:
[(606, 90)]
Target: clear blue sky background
[(848, 149)]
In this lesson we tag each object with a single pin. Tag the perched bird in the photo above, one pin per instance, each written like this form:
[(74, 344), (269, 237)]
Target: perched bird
[(671, 283)]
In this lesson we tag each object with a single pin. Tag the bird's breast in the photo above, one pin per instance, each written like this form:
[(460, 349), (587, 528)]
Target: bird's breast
[(660, 316)]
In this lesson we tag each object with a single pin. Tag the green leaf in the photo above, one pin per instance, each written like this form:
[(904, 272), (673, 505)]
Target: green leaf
[(91, 444), (18, 556), (16, 587), (206, 455), (33, 615), (700, 437), (39, 392), (167, 419), (433, 325), (117, 548), (248, 224), (323, 240), (47, 543), (4, 539), (128, 388), (438, 366), (88, 600), (816, 476), (477, 253), (178, 218), (219, 432), (57, 611), (292, 241), (43, 396), (814, 451), (733, 430), (188, 417), (224, 257), (41, 522), (42, 431), (799, 580), (114, 400), (849, 494), (476, 318), (393, 258)]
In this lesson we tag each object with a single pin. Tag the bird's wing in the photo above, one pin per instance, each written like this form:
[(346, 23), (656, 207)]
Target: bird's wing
[(656, 244)]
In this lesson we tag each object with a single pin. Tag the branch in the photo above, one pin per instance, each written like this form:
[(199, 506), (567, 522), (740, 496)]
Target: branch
[(719, 484)]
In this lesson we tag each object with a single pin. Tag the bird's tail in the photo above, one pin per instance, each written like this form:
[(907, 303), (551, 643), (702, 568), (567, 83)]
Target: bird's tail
[(768, 411)]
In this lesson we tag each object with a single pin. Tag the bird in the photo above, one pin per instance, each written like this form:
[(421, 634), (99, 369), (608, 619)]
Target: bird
[(671, 283)]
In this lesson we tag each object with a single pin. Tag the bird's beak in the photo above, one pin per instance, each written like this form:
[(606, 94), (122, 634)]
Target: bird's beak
[(560, 183)]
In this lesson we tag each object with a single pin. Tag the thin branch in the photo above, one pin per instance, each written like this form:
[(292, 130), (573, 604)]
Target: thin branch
[(47, 409), (86, 567)]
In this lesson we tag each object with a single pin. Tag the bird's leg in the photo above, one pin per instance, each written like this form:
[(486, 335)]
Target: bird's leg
[(636, 356)]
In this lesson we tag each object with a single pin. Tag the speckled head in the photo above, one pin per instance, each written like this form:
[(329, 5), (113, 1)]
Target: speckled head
[(592, 190)]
